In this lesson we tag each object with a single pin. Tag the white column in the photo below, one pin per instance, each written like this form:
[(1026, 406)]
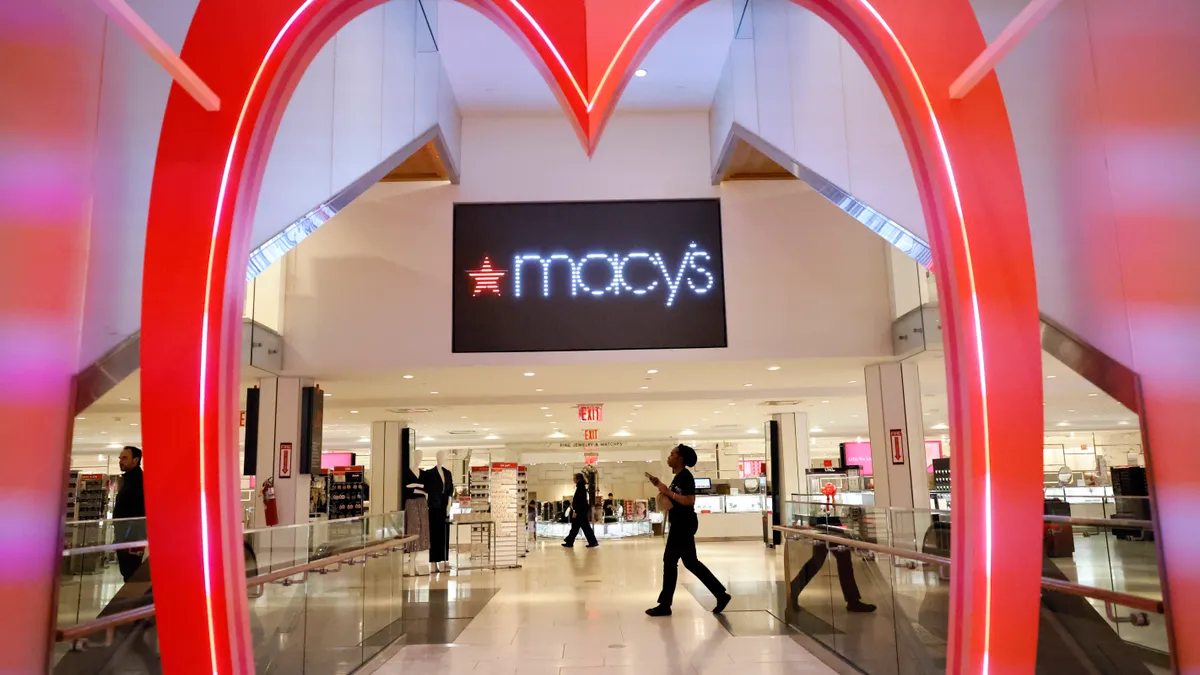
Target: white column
[(794, 453), (894, 417), (386, 470), (279, 424)]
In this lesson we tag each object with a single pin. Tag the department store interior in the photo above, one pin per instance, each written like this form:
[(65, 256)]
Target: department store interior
[(464, 306)]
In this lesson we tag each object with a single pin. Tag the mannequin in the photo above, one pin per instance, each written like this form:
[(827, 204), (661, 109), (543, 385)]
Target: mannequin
[(416, 516), (439, 486)]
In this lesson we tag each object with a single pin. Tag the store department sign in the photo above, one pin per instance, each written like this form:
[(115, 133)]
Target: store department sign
[(588, 276)]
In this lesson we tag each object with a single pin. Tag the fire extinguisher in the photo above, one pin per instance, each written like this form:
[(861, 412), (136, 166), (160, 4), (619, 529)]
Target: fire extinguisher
[(270, 509)]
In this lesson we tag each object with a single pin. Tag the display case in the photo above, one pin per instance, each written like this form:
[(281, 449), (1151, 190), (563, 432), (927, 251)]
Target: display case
[(621, 530), (845, 479)]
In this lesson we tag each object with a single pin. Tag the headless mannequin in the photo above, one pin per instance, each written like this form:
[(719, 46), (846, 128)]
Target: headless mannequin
[(416, 518), (439, 486)]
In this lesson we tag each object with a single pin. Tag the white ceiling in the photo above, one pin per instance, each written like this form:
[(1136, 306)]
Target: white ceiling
[(709, 399), (491, 74)]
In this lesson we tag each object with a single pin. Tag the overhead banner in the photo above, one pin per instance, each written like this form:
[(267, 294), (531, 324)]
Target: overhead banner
[(574, 276)]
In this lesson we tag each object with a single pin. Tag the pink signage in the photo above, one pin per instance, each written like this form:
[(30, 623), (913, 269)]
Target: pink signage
[(859, 454), (332, 460)]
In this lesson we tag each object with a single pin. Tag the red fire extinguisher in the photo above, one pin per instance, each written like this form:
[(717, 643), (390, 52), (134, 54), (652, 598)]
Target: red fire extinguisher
[(270, 509)]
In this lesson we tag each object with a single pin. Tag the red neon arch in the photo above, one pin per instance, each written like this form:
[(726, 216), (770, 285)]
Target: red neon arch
[(206, 182)]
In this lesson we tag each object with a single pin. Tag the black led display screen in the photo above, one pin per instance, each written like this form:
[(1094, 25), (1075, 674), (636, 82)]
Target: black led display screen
[(570, 276)]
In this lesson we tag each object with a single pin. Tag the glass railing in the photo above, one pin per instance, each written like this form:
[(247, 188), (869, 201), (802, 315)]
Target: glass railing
[(872, 585), (324, 598)]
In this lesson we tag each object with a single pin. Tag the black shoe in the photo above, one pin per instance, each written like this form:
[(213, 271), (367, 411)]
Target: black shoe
[(722, 603), (859, 606), (592, 545), (566, 545), (660, 610)]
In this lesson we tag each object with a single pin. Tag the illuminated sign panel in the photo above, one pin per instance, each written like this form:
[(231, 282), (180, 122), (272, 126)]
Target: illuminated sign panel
[(588, 276)]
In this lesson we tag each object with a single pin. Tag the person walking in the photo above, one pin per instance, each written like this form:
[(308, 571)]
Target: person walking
[(581, 511), (679, 498), (131, 503)]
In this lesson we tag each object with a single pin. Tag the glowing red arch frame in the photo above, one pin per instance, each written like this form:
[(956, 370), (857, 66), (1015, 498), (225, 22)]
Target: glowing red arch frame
[(206, 182)]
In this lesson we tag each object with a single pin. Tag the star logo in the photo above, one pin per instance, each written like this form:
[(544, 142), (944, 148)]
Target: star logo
[(487, 278)]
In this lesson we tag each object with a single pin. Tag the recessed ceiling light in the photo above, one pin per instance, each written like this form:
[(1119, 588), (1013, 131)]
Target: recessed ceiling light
[(637, 405), (103, 433), (549, 414), (353, 412), (940, 425), (545, 407), (365, 439), (927, 414), (558, 434), (474, 424), (81, 418), (99, 458), (643, 387), (1063, 423), (1093, 394), (747, 385), (815, 430), (852, 382), (125, 399), (327, 394), (491, 437), (732, 404), (1123, 422), (687, 432), (539, 390), (433, 393), (114, 446), (1051, 377), (408, 377), (530, 374), (824, 401), (622, 433), (133, 424), (772, 368), (1070, 410), (652, 372), (629, 421), (427, 438), (752, 431), (640, 72)]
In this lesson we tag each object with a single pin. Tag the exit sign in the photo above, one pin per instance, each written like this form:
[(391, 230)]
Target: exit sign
[(591, 413), (591, 434)]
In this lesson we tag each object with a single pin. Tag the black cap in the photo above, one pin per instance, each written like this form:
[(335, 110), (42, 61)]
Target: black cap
[(687, 453)]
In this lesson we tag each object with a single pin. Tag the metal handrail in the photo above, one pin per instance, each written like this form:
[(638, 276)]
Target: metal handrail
[(112, 621), (104, 548), (1114, 597), (1064, 520)]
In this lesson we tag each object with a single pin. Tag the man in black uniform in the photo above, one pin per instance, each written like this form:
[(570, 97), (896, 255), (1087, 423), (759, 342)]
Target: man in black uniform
[(131, 503), (581, 512), (680, 499)]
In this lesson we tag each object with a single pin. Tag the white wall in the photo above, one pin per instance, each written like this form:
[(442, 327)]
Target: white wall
[(801, 87), (371, 289), (368, 93)]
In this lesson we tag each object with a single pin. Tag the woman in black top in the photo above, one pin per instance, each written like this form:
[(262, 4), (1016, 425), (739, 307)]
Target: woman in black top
[(681, 538), (581, 511)]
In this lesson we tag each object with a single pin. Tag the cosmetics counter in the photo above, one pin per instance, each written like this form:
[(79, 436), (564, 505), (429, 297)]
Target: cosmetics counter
[(733, 517)]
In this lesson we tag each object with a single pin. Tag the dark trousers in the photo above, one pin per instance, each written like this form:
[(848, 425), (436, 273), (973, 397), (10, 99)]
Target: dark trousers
[(439, 535), (580, 522), (681, 546), (845, 568), (129, 562)]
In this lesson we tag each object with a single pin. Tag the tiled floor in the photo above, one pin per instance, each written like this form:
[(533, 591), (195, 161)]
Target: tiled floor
[(580, 611)]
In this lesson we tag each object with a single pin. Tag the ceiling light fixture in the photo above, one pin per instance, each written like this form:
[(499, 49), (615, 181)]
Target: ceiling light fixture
[(824, 401), (747, 385), (81, 418), (353, 412), (539, 390), (732, 404), (558, 434), (622, 433), (125, 399), (652, 372), (643, 387), (637, 405), (1051, 377), (99, 458), (114, 446), (427, 438), (815, 430), (772, 368), (408, 377), (752, 431), (1091, 395), (433, 393), (1123, 422), (640, 72), (687, 432), (530, 374), (852, 382), (1063, 423), (328, 395), (940, 425), (491, 437), (364, 439)]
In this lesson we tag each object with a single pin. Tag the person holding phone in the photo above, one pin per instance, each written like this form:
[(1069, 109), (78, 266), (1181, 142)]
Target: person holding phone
[(679, 500)]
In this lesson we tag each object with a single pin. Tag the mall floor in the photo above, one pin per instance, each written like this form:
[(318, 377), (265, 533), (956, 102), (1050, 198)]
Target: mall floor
[(581, 611)]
